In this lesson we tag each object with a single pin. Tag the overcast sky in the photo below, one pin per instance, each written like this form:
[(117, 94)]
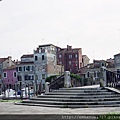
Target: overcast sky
[(93, 25)]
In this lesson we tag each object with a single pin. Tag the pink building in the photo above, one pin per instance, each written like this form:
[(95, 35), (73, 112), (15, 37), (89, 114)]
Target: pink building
[(10, 77)]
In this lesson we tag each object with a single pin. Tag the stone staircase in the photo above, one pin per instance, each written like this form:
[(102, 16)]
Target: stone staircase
[(76, 98)]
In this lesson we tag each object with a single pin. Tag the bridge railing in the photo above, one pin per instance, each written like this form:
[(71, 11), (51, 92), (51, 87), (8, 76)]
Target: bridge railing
[(58, 83), (112, 79)]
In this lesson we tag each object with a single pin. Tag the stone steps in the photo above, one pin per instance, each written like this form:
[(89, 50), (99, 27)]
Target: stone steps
[(71, 103), (79, 94), (76, 98), (77, 91), (69, 106)]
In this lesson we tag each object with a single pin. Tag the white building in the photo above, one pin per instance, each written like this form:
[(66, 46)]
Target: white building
[(45, 62), (25, 70)]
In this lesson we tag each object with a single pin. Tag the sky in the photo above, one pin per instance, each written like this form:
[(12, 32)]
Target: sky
[(93, 25)]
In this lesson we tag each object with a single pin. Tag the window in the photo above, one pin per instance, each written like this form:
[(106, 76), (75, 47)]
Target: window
[(60, 62), (19, 78), (95, 74), (36, 58), (27, 68), (29, 77), (76, 55), (19, 69), (31, 68), (43, 57), (15, 74), (118, 70), (43, 76), (43, 66), (88, 74), (4, 74), (60, 56), (26, 77), (70, 56), (69, 62), (24, 68)]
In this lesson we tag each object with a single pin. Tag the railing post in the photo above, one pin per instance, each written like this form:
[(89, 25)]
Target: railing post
[(103, 78), (47, 87), (67, 79)]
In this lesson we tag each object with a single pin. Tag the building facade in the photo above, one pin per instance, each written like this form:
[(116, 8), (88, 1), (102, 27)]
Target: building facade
[(25, 71), (70, 58), (92, 70), (117, 62), (45, 61), (85, 60), (10, 77), (4, 63)]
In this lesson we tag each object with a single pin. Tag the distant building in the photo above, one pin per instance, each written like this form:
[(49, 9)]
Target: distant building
[(70, 58), (85, 60), (25, 70), (4, 63), (10, 77), (45, 62), (117, 62), (92, 70)]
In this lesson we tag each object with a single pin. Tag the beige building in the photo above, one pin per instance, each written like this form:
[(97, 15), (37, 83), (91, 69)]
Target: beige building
[(85, 60)]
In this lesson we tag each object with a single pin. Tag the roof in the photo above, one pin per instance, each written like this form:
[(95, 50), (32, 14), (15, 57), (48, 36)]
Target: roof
[(67, 51), (28, 56), (117, 54), (10, 67), (73, 50), (3, 59), (24, 63), (85, 56), (46, 45)]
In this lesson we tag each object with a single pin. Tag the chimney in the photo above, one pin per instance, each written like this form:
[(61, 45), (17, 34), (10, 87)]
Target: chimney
[(69, 47)]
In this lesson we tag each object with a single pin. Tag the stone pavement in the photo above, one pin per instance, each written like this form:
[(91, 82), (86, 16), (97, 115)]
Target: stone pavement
[(10, 108)]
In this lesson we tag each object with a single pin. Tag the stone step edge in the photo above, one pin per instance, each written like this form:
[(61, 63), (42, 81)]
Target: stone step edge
[(68, 106), (56, 102), (66, 99), (75, 96)]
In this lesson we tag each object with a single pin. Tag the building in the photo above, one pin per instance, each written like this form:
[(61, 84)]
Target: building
[(4, 63), (9, 77), (85, 60), (70, 58), (117, 62), (92, 70), (25, 71), (45, 61)]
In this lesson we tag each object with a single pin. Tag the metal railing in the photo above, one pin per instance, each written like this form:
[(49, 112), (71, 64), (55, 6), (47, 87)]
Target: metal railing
[(112, 79)]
